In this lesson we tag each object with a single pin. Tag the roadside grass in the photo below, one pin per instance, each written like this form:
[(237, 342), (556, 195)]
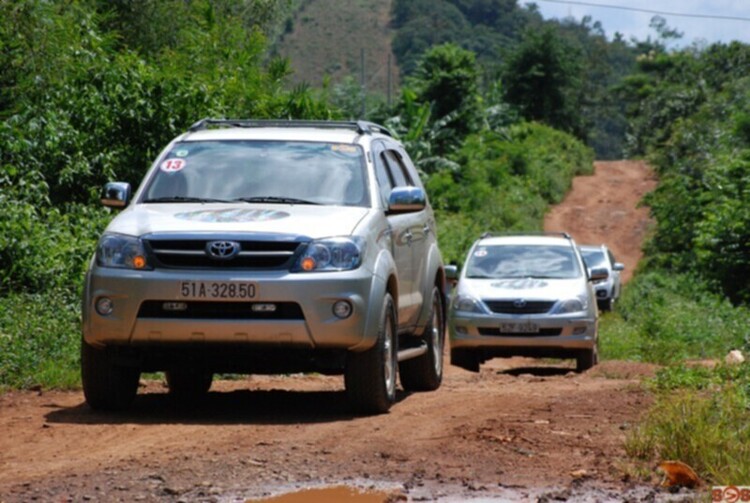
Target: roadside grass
[(701, 409), (39, 336), (701, 417), (664, 318)]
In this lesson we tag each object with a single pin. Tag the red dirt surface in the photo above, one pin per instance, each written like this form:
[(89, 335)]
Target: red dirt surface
[(519, 430), (604, 208)]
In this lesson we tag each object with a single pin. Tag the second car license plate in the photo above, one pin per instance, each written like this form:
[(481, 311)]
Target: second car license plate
[(217, 290), (519, 328)]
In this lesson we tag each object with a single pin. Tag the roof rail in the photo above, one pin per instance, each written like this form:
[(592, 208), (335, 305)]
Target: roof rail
[(490, 234), (361, 127)]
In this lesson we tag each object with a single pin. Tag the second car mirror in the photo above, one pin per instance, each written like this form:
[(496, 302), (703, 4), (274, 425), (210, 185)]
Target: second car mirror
[(598, 274)]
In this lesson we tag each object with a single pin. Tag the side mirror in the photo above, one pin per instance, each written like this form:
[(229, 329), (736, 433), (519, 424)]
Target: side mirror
[(451, 274), (406, 200), (598, 274), (116, 194), (618, 266)]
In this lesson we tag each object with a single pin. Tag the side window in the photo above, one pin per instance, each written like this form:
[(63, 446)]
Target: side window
[(385, 181), (397, 170), (410, 170)]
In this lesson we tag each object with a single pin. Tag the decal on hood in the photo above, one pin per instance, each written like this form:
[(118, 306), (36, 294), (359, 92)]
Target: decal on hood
[(520, 283), (232, 215)]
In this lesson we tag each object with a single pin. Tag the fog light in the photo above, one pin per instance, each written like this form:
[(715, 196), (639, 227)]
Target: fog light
[(264, 308), (175, 306), (342, 309), (104, 306), (460, 329), (579, 330)]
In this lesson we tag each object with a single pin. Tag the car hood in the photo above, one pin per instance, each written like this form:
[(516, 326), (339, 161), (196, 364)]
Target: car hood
[(523, 288), (302, 220)]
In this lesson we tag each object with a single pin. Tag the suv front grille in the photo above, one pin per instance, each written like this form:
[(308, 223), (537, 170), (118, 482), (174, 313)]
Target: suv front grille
[(201, 310), (191, 254), (543, 332), (519, 307)]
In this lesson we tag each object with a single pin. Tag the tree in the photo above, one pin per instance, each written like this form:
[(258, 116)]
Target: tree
[(447, 77), (541, 79)]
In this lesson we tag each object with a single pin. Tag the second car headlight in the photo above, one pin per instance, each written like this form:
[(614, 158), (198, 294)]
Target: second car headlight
[(468, 304), (122, 252), (332, 254), (570, 306)]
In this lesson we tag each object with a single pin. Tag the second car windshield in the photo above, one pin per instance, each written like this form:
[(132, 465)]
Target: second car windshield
[(594, 258), (523, 261), (283, 172)]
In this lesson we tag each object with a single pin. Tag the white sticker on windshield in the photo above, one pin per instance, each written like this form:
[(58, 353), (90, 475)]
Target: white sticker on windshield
[(182, 153), (480, 253), (172, 165)]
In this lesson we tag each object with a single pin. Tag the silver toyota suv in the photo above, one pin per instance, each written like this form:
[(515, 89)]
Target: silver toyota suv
[(524, 295), (268, 247)]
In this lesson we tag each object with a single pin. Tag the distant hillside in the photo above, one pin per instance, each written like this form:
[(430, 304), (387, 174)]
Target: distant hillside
[(326, 38)]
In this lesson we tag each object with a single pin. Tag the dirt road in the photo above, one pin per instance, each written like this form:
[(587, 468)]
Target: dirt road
[(521, 429), (603, 208)]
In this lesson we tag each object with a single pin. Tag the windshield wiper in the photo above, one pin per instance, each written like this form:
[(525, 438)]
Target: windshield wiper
[(184, 199), (274, 199)]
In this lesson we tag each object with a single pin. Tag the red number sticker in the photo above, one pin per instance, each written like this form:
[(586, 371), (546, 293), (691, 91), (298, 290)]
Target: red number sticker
[(172, 165)]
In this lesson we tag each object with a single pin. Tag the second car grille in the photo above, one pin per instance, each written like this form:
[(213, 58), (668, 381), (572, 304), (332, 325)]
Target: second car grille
[(543, 332), (519, 306)]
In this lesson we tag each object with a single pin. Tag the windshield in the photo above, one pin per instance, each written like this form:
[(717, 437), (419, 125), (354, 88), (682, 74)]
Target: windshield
[(261, 171), (594, 259), (523, 261)]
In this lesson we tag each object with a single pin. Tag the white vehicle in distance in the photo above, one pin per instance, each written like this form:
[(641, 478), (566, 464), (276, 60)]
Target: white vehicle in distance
[(523, 295), (268, 247), (608, 289)]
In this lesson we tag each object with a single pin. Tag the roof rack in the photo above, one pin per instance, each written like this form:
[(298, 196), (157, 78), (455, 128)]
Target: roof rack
[(361, 127), (527, 233)]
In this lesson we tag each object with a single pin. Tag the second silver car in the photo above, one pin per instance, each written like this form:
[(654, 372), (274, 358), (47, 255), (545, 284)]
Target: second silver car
[(524, 295)]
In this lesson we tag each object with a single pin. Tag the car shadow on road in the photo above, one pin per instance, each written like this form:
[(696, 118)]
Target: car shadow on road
[(537, 371), (222, 408)]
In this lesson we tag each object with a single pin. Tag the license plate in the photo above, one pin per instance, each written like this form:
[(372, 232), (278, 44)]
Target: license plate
[(519, 328), (217, 290)]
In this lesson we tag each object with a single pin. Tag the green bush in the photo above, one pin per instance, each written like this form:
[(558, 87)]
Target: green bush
[(663, 318), (39, 339), (505, 181)]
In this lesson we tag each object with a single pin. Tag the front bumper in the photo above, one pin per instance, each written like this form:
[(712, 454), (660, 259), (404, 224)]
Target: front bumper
[(557, 334), (309, 323)]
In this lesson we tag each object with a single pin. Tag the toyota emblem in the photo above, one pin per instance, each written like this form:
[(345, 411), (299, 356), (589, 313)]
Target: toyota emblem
[(519, 303), (222, 250)]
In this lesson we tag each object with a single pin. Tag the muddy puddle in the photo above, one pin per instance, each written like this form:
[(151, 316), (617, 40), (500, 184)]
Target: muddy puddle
[(579, 493), (335, 494)]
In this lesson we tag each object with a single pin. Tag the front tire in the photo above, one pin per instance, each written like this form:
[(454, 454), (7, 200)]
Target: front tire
[(370, 376), (107, 386), (587, 359), (465, 359), (425, 373)]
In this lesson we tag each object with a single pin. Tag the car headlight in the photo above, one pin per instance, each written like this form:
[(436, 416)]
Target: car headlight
[(122, 252), (570, 306), (468, 304), (332, 254)]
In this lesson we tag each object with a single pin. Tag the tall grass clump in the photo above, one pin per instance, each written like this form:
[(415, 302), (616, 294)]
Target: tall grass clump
[(701, 417)]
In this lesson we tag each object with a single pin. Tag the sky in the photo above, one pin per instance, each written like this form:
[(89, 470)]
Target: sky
[(632, 23)]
